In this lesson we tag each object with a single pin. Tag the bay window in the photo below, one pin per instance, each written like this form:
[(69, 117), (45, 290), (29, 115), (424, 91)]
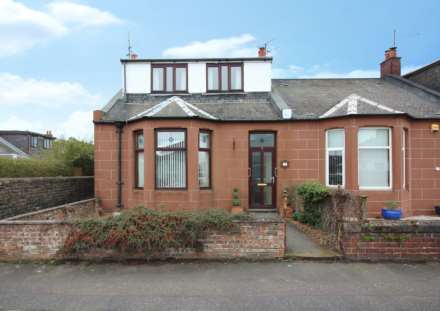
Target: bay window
[(170, 159), (335, 157), (168, 78), (374, 160), (224, 77), (139, 158), (205, 159)]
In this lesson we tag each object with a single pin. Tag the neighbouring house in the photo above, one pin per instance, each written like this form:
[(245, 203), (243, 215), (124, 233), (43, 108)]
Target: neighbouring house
[(428, 76), (22, 144), (183, 133)]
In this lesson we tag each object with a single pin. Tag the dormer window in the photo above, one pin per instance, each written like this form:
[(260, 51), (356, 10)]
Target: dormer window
[(223, 77), (169, 78)]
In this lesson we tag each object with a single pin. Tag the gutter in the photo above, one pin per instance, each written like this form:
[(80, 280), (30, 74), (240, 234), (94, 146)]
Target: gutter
[(119, 129)]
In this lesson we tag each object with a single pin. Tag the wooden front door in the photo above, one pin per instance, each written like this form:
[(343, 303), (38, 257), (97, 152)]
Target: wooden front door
[(262, 177)]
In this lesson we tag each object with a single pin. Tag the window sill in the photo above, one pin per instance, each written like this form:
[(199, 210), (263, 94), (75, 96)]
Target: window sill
[(225, 93), (183, 93), (375, 189)]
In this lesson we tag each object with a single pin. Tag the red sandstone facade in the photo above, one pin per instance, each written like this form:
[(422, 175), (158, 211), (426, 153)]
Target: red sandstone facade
[(301, 143)]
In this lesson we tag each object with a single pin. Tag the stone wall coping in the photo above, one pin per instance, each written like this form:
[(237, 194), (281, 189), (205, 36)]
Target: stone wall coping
[(393, 226), (7, 179), (48, 209), (34, 222)]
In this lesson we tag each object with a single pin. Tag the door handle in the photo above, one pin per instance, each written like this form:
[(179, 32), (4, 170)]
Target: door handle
[(261, 184)]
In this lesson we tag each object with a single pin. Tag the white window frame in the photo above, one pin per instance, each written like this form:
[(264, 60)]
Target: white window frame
[(390, 153), (327, 152), (404, 152)]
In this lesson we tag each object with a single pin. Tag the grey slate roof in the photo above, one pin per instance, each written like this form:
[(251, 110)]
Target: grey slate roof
[(307, 98), (251, 106), (311, 98)]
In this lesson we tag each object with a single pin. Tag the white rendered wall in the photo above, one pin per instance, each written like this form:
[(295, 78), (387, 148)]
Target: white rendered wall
[(257, 76), (138, 78), (197, 77)]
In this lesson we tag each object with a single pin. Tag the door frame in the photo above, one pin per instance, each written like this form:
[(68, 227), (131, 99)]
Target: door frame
[(274, 167)]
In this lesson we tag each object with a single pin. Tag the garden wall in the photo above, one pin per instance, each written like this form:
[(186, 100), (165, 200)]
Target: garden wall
[(402, 240), (23, 195), (41, 236)]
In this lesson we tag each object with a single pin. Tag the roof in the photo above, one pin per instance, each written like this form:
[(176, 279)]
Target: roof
[(14, 132), (313, 98), (178, 60), (13, 148), (421, 69), (302, 98), (231, 107)]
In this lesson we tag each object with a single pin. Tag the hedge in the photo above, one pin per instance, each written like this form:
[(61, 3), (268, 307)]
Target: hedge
[(10, 168)]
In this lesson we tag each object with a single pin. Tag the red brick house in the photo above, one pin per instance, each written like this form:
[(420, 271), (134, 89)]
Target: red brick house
[(182, 133)]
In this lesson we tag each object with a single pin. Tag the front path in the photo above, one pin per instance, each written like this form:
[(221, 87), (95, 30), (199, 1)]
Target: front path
[(221, 286), (301, 246)]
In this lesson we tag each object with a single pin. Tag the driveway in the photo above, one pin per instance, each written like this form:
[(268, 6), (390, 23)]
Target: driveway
[(221, 286)]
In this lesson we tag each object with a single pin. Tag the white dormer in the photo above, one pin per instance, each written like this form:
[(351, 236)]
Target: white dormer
[(192, 76)]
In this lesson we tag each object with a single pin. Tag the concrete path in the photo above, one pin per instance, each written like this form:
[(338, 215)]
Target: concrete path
[(221, 286), (301, 246)]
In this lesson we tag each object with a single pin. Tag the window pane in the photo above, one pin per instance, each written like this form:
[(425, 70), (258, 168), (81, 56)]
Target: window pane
[(180, 79), (225, 78), (204, 169), (204, 140), (212, 78), (374, 168), (140, 141), (262, 140), (169, 86), (373, 137), (171, 139), (335, 138), (171, 169), (236, 78), (157, 79), (335, 167), (140, 169)]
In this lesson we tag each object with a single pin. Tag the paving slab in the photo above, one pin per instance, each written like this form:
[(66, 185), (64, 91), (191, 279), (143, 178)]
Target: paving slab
[(300, 246)]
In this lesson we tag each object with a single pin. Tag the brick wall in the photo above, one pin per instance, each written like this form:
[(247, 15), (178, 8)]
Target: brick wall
[(69, 211), (42, 240), (392, 240), (23, 195)]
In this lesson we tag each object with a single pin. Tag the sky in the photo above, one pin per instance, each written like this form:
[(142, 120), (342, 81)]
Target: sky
[(60, 60)]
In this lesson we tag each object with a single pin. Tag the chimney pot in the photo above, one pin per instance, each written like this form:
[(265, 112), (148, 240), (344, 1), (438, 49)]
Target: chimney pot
[(262, 51), (133, 56)]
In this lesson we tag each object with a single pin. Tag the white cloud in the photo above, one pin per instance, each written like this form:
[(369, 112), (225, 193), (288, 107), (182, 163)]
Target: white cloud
[(22, 27), (18, 91), (40, 105), (78, 124), (238, 46), (81, 15)]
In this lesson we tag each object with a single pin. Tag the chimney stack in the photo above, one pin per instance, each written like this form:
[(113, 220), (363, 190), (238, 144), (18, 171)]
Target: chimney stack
[(391, 64), (262, 51)]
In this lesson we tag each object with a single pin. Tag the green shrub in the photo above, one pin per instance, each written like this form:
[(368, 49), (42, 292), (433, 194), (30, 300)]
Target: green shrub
[(235, 197), (313, 194), (391, 204), (57, 161), (142, 230), (73, 153), (33, 168), (296, 216)]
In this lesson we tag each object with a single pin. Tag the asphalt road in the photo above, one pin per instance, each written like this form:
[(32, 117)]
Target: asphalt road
[(221, 286)]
